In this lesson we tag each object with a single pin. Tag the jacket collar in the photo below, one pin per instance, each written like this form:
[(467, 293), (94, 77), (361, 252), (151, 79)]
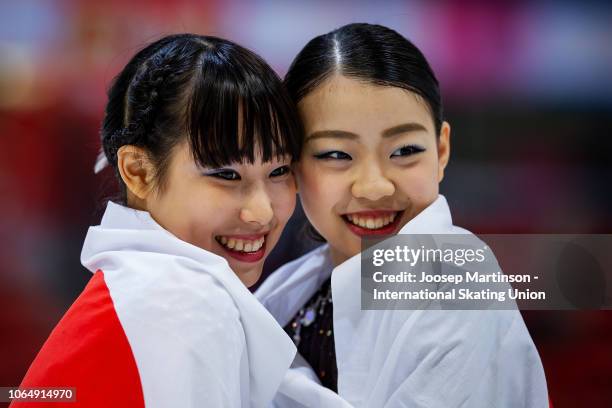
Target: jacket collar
[(434, 219)]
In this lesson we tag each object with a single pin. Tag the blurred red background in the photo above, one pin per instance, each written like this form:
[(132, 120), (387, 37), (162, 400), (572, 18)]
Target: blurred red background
[(526, 86)]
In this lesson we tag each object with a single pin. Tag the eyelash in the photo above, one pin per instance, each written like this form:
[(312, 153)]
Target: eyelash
[(328, 155), (284, 170), (232, 175), (408, 150), (411, 149), (229, 175)]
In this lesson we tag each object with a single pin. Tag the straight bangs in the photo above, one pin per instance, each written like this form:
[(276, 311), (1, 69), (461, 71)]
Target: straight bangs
[(239, 109)]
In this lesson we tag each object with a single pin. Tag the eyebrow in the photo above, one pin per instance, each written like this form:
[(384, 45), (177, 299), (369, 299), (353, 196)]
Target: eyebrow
[(333, 134), (343, 134), (404, 128)]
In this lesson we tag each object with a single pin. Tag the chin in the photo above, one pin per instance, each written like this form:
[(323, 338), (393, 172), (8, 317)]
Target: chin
[(249, 280), (355, 247), (248, 276), (348, 253)]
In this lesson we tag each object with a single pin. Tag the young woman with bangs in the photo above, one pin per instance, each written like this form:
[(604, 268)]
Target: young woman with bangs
[(201, 135)]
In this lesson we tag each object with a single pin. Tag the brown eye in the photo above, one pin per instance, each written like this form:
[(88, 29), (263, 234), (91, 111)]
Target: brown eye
[(408, 150), (225, 174), (281, 171), (333, 155)]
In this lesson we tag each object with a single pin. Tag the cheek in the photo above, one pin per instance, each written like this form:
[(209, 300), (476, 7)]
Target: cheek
[(320, 191), (283, 201), (420, 183), (195, 211), (312, 186)]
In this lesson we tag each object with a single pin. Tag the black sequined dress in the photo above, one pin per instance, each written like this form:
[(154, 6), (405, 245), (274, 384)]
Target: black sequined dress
[(312, 331)]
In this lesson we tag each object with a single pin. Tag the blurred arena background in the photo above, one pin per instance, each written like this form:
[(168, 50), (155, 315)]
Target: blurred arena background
[(527, 88)]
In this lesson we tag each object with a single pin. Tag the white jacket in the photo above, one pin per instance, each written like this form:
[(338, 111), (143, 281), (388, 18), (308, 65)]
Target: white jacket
[(408, 358), (198, 336)]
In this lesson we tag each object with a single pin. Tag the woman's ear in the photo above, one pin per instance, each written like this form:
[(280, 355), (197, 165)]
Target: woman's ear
[(136, 170), (443, 149)]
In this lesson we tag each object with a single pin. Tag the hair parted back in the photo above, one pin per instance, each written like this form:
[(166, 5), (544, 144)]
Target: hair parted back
[(370, 53), (367, 52)]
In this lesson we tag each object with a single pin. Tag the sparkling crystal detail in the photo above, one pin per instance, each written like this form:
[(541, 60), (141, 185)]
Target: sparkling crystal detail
[(309, 317)]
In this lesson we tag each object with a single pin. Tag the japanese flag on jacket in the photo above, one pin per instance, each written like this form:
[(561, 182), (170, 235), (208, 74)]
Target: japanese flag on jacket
[(162, 323), (407, 358)]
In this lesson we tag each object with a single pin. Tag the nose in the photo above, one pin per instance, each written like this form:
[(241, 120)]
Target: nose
[(371, 183), (257, 208)]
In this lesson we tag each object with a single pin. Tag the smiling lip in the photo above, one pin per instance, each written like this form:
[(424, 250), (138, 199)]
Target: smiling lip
[(385, 230), (246, 237), (246, 256)]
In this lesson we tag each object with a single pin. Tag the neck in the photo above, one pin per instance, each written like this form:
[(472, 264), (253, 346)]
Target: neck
[(249, 278), (133, 201), (337, 256)]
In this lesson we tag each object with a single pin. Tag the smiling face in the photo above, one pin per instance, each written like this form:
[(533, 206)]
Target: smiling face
[(371, 161), (237, 211)]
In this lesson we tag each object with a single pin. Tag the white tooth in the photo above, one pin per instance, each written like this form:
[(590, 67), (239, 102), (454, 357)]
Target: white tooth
[(248, 247), (372, 223), (239, 245), (255, 247), (224, 240), (350, 217), (231, 243)]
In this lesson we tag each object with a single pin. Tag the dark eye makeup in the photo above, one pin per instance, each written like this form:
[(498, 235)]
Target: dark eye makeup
[(280, 171), (231, 175), (332, 155), (407, 150), (403, 151), (225, 174)]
